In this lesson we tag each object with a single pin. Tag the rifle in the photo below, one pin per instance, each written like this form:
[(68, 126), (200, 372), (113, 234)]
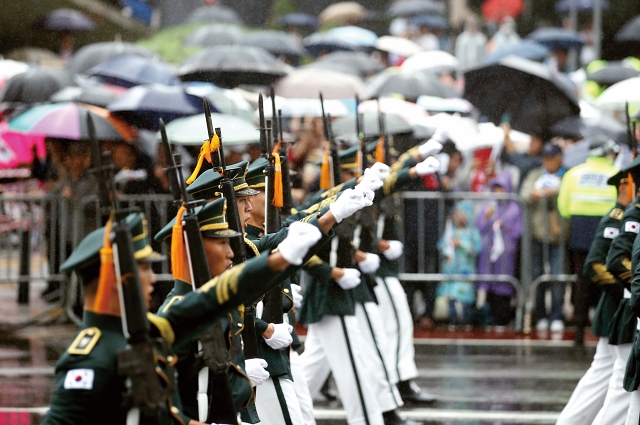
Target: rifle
[(145, 395), (362, 150), (336, 171), (287, 199), (272, 221), (212, 344)]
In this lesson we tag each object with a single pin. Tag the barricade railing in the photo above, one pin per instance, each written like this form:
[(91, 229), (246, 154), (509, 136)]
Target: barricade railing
[(525, 286), (39, 232)]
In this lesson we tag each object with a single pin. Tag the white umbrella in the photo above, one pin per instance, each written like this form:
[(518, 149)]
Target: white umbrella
[(9, 68), (432, 59), (615, 96), (193, 130), (309, 107), (398, 45)]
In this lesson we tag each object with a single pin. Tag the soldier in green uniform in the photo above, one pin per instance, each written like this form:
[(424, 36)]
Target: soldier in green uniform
[(274, 335), (332, 298), (594, 400), (87, 383)]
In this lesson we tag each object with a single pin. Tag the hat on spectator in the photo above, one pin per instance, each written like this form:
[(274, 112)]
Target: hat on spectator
[(85, 259), (207, 185), (551, 149), (211, 221), (619, 178), (257, 174)]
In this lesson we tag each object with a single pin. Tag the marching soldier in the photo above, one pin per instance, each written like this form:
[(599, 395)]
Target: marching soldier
[(599, 390), (87, 383)]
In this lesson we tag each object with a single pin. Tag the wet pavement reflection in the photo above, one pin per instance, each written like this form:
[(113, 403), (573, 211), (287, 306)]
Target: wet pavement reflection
[(478, 381)]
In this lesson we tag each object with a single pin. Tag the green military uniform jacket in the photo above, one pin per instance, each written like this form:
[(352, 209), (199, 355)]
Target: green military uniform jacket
[(618, 263), (632, 373), (88, 387), (595, 270)]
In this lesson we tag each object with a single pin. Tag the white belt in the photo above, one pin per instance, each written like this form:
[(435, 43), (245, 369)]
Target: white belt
[(627, 294)]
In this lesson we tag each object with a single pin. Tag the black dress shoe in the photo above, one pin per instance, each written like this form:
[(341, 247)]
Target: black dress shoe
[(412, 393), (327, 392), (393, 417)]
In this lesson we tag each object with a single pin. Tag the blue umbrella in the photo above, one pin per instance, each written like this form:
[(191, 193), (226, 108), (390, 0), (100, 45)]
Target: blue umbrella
[(323, 42), (65, 20), (129, 71), (299, 20), (525, 49), (415, 7), (557, 38), (144, 105), (431, 21), (355, 35), (564, 6)]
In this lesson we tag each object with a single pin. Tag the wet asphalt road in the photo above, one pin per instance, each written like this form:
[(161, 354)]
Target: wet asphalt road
[(479, 381)]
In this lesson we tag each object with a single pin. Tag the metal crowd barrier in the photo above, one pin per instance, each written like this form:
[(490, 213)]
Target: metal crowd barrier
[(38, 232), (525, 286)]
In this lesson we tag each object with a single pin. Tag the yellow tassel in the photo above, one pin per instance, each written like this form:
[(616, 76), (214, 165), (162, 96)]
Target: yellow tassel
[(380, 150), (277, 183), (107, 280), (206, 150), (325, 171), (179, 267)]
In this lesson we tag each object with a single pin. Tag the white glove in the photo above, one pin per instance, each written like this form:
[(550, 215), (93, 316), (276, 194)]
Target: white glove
[(430, 148), (256, 371), (441, 135), (428, 166), (370, 264), (350, 280), (378, 170), (370, 182), (281, 337), (296, 294), (350, 201), (394, 251), (300, 238)]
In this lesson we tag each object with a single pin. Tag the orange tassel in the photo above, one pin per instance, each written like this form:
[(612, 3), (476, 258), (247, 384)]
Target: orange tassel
[(179, 267), (631, 193), (206, 150), (107, 280), (380, 150), (325, 170), (277, 183)]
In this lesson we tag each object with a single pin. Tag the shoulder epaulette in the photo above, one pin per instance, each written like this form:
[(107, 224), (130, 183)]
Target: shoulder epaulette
[(617, 213), (85, 341), (313, 261), (164, 327)]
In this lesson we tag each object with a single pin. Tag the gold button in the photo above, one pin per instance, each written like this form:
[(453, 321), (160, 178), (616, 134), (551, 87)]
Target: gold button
[(286, 291), (175, 410), (170, 359), (239, 325)]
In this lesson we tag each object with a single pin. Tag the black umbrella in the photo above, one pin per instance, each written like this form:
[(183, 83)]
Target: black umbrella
[(629, 31), (612, 73), (410, 85), (333, 66), (65, 20), (231, 66), (361, 62), (557, 38), (129, 71), (97, 53), (415, 7), (345, 127), (321, 43), (528, 91), (277, 43), (598, 130), (214, 35), (93, 95), (213, 14), (144, 105), (35, 86), (299, 20)]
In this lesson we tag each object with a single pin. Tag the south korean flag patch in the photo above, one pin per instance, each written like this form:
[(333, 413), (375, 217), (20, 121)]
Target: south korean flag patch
[(611, 232), (79, 379), (632, 226)]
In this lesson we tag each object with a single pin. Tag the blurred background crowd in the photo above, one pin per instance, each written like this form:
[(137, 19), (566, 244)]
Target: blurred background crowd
[(520, 88)]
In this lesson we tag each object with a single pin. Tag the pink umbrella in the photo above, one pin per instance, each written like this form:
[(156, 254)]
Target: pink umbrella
[(16, 149)]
